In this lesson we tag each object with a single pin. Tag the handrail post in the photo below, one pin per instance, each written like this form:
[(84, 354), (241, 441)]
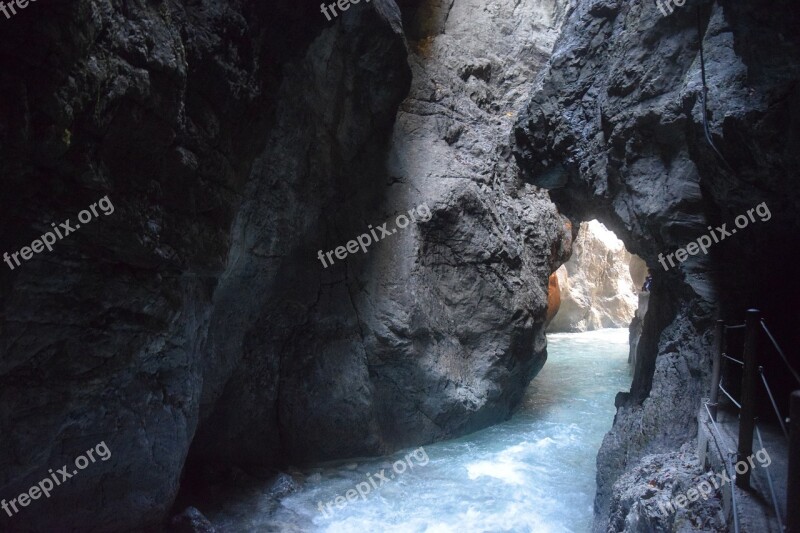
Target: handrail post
[(717, 368), (748, 411), (793, 480)]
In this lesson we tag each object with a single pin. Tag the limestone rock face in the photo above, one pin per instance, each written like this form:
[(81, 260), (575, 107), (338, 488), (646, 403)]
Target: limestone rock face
[(130, 330), (643, 499), (596, 286), (237, 140), (436, 330), (615, 129)]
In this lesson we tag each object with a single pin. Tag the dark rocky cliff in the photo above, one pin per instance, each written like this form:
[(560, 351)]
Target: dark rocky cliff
[(616, 132), (388, 348), (195, 325), (166, 108)]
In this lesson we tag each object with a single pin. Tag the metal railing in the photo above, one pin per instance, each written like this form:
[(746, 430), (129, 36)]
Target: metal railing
[(751, 370)]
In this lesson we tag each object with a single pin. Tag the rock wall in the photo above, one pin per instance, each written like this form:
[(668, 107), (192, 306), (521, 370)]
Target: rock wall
[(431, 334), (101, 339), (615, 129), (195, 326), (597, 289), (165, 109), (285, 370)]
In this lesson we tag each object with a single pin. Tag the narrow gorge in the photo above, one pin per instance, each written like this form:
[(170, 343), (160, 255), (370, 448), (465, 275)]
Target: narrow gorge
[(305, 247)]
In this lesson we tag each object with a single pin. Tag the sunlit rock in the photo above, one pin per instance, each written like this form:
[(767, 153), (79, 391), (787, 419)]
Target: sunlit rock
[(597, 289)]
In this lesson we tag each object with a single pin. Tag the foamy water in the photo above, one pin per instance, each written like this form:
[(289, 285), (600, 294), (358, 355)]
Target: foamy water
[(533, 473)]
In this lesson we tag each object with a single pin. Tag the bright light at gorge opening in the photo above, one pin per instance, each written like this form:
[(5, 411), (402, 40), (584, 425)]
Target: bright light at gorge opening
[(599, 286)]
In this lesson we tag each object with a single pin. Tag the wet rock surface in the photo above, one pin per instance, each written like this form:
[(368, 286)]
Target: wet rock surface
[(644, 497), (165, 109), (101, 338), (615, 130), (194, 329), (192, 521), (436, 329)]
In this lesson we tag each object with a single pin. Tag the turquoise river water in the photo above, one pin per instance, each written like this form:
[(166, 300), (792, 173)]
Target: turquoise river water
[(532, 473)]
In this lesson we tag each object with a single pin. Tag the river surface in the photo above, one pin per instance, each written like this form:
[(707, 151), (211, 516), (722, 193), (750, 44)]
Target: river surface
[(532, 473)]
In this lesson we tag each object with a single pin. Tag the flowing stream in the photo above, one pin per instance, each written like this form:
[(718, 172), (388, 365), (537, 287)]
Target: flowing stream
[(532, 473)]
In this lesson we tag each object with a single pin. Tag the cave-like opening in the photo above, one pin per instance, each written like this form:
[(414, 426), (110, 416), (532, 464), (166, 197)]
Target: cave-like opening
[(601, 285)]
